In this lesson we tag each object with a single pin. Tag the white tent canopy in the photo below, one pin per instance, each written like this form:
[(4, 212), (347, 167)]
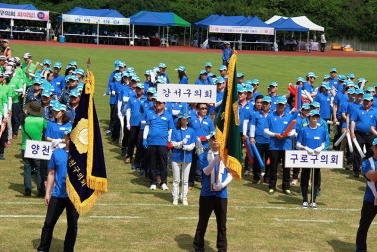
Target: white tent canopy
[(301, 20)]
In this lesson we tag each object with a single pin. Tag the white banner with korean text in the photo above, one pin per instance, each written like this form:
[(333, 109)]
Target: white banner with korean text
[(241, 29), (325, 159), (95, 20), (39, 149), (186, 93), (24, 14)]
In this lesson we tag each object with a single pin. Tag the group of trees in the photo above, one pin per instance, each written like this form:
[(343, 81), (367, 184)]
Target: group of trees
[(341, 18)]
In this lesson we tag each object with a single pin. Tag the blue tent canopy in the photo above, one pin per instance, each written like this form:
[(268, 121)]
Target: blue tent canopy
[(216, 20), (236, 19), (288, 25), (18, 6), (95, 13), (146, 18), (254, 22)]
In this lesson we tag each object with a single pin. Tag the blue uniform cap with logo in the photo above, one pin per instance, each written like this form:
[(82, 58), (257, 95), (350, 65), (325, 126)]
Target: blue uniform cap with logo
[(151, 90), (73, 63), (368, 97), (134, 77), (314, 112), (239, 75), (254, 82), (369, 89), (212, 75), (220, 80), (226, 43), (183, 115), (74, 92), (305, 106), (154, 96), (53, 102), (80, 71), (249, 88), (162, 65), (68, 66), (351, 76), (241, 89), (326, 76), (360, 91), (121, 64), (315, 104), (342, 77), (116, 62), (266, 98), (223, 67), (325, 85), (203, 72), (73, 77), (273, 84), (46, 92), (46, 62), (208, 64), (37, 80), (247, 82), (57, 65), (361, 80), (148, 72), (160, 80), (281, 100), (351, 91), (130, 69), (180, 68), (117, 76), (300, 79), (333, 70), (312, 74), (140, 85)]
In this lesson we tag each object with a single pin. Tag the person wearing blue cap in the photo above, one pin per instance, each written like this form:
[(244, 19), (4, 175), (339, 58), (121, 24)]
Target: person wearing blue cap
[(311, 138), (58, 80), (262, 141), (71, 84), (162, 67), (133, 121), (309, 84), (273, 93), (220, 84), (369, 208), (240, 77), (223, 73), (340, 98), (202, 80), (227, 52), (255, 84), (34, 93), (333, 78), (361, 121), (275, 123), (249, 94), (183, 141), (182, 75), (55, 129), (148, 83), (157, 135), (74, 100), (46, 104), (324, 98)]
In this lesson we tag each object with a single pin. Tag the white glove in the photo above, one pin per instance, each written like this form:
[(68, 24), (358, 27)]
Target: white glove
[(56, 142), (310, 151), (113, 93), (128, 126), (185, 147), (120, 115), (318, 150), (218, 187), (184, 141), (104, 94)]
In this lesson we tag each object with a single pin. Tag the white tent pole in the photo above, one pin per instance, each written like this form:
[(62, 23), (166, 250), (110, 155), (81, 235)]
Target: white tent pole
[(167, 35), (47, 30), (299, 42), (97, 33), (133, 35), (190, 37), (207, 32), (275, 40), (241, 43), (11, 29)]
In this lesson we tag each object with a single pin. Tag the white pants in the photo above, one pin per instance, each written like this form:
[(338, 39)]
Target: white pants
[(176, 166)]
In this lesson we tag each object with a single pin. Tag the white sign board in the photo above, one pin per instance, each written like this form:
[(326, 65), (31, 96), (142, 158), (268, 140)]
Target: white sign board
[(325, 159), (95, 20), (186, 93), (241, 29), (39, 149), (24, 14)]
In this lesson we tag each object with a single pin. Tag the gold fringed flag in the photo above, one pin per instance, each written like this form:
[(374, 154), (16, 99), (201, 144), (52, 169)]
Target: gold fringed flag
[(228, 124), (86, 171)]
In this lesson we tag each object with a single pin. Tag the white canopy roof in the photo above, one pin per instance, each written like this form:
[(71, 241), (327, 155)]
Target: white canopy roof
[(301, 20)]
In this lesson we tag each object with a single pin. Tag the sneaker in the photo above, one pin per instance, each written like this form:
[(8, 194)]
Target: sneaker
[(305, 205), (271, 191), (184, 202), (266, 180), (141, 172), (294, 181), (288, 192), (123, 153), (2, 157), (255, 181), (14, 137), (153, 187), (175, 202), (41, 194), (146, 178), (313, 205), (164, 187), (318, 193), (246, 173), (349, 167), (128, 160), (309, 182), (356, 174), (108, 133), (134, 167), (262, 173), (27, 193)]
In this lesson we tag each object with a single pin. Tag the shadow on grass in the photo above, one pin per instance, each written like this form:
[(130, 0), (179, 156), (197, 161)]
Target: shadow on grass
[(341, 246), (56, 244), (185, 241), (17, 188), (118, 153)]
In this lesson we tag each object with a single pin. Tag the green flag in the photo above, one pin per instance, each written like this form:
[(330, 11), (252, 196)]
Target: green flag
[(228, 124)]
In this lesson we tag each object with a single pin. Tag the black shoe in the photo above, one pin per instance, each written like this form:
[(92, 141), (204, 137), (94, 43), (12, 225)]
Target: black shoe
[(41, 194), (356, 174), (198, 180), (255, 181), (27, 193), (2, 157), (124, 152), (33, 171), (267, 181)]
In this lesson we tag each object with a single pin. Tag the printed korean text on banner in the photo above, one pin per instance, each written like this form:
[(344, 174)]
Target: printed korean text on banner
[(95, 20), (24, 14), (228, 124), (39, 149), (86, 170), (186, 93), (240, 29), (325, 159)]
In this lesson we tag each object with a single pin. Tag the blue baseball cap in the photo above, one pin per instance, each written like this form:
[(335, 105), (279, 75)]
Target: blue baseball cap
[(154, 96), (342, 77), (148, 72), (183, 115), (351, 91), (305, 106), (160, 80), (247, 82), (273, 83), (325, 85), (351, 76), (249, 88), (212, 75), (151, 90), (359, 91), (162, 65), (80, 86), (126, 74), (374, 142), (203, 72), (312, 74), (68, 66), (254, 82), (73, 77), (53, 102), (74, 92), (314, 112), (241, 89), (315, 104), (118, 76), (121, 64), (219, 80), (180, 68), (369, 89), (361, 80), (226, 43), (140, 85), (223, 67), (281, 100), (208, 64), (46, 92), (326, 76), (80, 71), (332, 70), (37, 80), (368, 97), (116, 63), (300, 79), (46, 62), (266, 98), (58, 65), (239, 75), (73, 63), (130, 69)]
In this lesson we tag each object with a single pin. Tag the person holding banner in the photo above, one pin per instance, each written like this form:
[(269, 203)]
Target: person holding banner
[(369, 208), (361, 120), (58, 201), (213, 197), (311, 138), (279, 142), (227, 52), (33, 129)]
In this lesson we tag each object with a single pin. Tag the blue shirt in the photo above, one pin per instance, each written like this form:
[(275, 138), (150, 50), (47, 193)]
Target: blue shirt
[(323, 124), (365, 167), (255, 95), (363, 118), (274, 99), (308, 87), (165, 76), (134, 103), (146, 86), (227, 52), (339, 98), (245, 113), (206, 182), (259, 120), (312, 138), (200, 82), (202, 128), (276, 124), (178, 155), (184, 80), (58, 162), (55, 130), (159, 126), (334, 83), (59, 83), (324, 101)]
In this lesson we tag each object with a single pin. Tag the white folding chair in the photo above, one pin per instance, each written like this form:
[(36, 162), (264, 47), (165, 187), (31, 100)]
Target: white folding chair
[(163, 42)]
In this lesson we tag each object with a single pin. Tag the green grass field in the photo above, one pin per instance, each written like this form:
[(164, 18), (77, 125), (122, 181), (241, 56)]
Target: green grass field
[(132, 218)]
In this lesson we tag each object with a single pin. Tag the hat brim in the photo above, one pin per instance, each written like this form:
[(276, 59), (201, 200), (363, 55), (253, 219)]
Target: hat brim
[(34, 113)]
